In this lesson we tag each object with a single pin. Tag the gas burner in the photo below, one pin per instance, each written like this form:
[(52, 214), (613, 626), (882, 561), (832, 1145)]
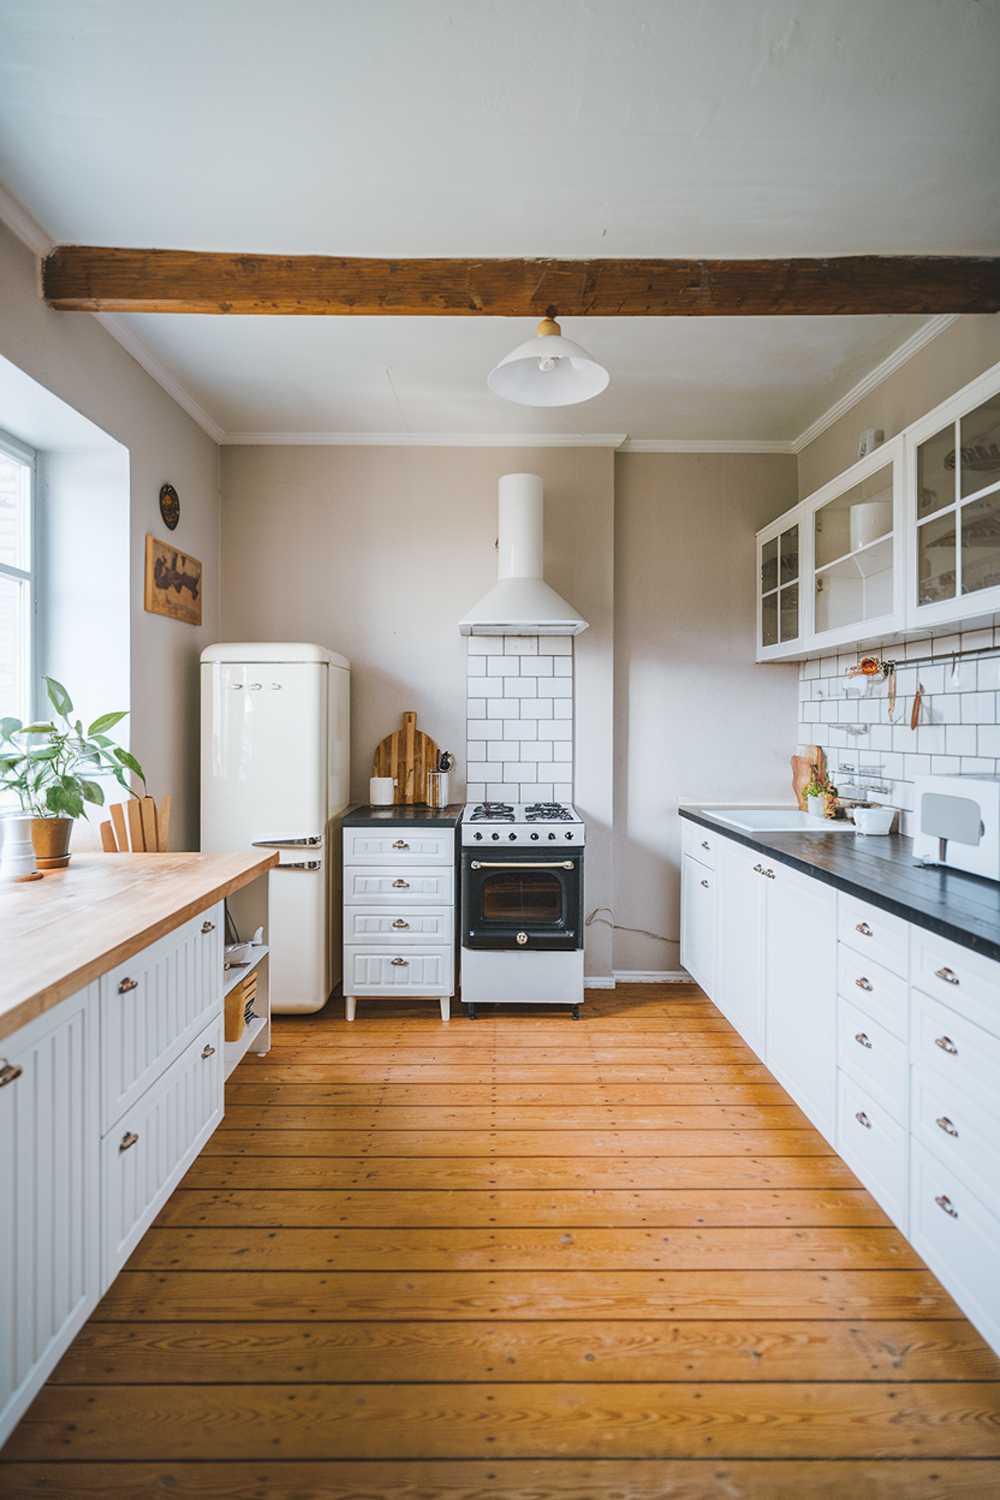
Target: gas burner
[(547, 812), (492, 812)]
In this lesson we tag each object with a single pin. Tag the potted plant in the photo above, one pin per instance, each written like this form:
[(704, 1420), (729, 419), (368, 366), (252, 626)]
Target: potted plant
[(51, 766), (820, 796)]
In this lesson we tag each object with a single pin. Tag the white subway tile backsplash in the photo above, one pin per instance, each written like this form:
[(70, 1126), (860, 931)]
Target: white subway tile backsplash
[(517, 771), (562, 750), (537, 708), (475, 750), (503, 666), (500, 750), (562, 708), (988, 737), (562, 666), (550, 769), (961, 739), (536, 750), (520, 645), (483, 770), (479, 729), (485, 687), (560, 687), (537, 666), (979, 708), (556, 729), (520, 729), (557, 645), (485, 645), (521, 687), (475, 708), (988, 674), (563, 791), (502, 708), (977, 765), (519, 718), (501, 791)]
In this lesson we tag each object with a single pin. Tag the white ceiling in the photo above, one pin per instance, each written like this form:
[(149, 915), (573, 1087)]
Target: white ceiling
[(778, 127)]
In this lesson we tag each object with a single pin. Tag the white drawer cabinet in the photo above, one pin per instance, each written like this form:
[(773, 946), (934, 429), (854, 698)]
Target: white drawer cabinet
[(874, 1145), (879, 992), (967, 982), (153, 1005), (873, 933), (800, 956), (964, 1135), (740, 969), (152, 1146), (399, 913), (700, 843), (49, 1191), (963, 1052), (698, 922), (958, 1237), (874, 1057)]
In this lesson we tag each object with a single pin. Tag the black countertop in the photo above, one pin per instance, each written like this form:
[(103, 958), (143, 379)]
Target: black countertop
[(361, 816), (964, 908)]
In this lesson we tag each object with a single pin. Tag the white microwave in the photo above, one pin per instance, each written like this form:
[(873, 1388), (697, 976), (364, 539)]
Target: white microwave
[(958, 823)]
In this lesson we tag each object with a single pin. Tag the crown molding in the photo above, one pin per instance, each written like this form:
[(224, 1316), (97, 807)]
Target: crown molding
[(20, 223), (874, 378), (707, 445), (424, 439)]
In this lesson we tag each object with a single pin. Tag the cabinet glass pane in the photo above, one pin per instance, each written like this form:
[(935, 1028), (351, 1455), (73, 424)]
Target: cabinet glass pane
[(980, 452), (769, 565), (790, 555), (936, 472), (789, 612), (854, 519), (769, 620), (936, 561), (981, 544)]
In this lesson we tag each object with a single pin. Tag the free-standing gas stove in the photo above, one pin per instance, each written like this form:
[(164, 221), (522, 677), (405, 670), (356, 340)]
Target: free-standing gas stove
[(522, 905)]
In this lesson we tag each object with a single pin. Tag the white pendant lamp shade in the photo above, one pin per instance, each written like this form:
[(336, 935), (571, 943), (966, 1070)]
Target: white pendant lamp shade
[(548, 370)]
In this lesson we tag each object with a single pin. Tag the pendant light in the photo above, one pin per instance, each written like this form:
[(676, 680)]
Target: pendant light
[(548, 370)]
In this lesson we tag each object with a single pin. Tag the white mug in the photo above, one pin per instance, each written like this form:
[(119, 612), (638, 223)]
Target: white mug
[(381, 791)]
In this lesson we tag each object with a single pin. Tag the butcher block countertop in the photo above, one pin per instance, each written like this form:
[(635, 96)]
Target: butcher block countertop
[(59, 933)]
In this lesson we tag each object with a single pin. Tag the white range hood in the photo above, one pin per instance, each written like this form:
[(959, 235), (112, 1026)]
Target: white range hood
[(522, 602)]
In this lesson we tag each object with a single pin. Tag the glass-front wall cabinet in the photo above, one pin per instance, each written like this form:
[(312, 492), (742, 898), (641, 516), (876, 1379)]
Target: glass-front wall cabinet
[(778, 588), (958, 510), (853, 564)]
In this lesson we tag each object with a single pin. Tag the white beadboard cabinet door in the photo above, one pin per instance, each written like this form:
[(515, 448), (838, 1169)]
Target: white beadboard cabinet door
[(153, 1004), (151, 1147), (800, 988), (49, 1195), (418, 971), (698, 922), (742, 893)]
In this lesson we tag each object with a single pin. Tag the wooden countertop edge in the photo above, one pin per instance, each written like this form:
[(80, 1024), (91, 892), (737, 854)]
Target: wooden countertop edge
[(51, 994)]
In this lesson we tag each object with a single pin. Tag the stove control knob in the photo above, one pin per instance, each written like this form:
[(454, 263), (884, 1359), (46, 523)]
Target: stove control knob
[(496, 836), (569, 835), (477, 835), (534, 835), (521, 939), (512, 836), (551, 835)]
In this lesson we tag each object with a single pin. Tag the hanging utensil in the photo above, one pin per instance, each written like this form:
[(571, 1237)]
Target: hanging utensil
[(918, 699), (891, 674)]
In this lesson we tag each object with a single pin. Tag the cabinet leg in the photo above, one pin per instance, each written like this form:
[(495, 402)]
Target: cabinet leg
[(445, 1004), (576, 1013), (350, 1006), (470, 1011)]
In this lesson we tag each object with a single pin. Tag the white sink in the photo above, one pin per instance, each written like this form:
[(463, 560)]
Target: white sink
[(778, 820)]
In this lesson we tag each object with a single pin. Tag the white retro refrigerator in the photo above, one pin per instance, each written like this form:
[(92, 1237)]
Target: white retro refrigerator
[(275, 747)]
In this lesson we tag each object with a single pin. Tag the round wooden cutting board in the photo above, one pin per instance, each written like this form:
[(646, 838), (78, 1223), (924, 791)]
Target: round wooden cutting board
[(407, 755)]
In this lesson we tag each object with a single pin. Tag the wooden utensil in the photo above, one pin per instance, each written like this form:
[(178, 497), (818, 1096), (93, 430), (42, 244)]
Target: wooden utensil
[(812, 761), (918, 699), (407, 755)]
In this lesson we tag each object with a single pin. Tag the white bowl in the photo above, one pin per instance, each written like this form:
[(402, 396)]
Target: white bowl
[(873, 819)]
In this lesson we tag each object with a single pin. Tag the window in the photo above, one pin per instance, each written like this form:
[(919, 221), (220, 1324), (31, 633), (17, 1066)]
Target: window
[(17, 475)]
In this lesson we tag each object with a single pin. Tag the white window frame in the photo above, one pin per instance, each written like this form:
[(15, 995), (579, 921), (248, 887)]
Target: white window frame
[(10, 447)]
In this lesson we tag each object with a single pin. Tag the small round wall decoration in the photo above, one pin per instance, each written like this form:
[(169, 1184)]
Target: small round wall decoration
[(170, 506)]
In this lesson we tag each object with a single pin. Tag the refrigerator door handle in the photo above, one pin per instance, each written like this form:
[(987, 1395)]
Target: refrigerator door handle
[(312, 841), (301, 864)]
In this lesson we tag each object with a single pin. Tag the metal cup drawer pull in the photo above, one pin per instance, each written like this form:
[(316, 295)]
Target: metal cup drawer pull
[(208, 1050), (864, 929), (399, 963), (9, 1073), (128, 1140), (948, 975), (768, 873), (400, 844), (705, 844), (864, 984), (863, 1119), (126, 984), (705, 884), (401, 885), (863, 1040), (400, 923), (758, 869), (943, 1123), (944, 1202), (947, 1045), (207, 927)]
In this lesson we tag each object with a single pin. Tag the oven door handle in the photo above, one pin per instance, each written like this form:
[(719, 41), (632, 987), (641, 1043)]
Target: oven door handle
[(522, 864)]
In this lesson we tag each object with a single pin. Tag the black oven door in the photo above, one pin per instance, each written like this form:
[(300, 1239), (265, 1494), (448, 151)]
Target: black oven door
[(516, 899)]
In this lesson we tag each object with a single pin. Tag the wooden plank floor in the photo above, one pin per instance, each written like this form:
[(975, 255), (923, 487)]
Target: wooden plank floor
[(523, 1258)]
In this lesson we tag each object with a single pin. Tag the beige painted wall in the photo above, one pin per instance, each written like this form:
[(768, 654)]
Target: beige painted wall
[(939, 369), (377, 552), (695, 717), (73, 356)]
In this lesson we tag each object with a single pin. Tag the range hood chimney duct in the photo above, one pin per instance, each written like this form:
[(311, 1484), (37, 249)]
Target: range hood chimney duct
[(522, 603)]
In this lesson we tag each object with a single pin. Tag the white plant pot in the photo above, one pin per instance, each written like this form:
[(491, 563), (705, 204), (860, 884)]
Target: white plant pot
[(816, 806), (17, 853)]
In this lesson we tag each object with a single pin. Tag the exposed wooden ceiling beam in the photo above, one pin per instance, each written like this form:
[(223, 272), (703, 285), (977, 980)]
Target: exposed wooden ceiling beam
[(86, 278)]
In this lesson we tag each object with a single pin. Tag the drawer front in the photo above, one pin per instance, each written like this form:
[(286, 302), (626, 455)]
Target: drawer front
[(873, 1145), (874, 933), (385, 927), (961, 1134), (399, 845), (965, 981), (959, 1239), (154, 1004), (368, 886), (144, 1156), (417, 971), (873, 1057), (701, 844), (877, 991), (956, 1048)]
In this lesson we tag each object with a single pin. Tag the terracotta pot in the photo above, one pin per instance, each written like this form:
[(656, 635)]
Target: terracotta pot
[(50, 837)]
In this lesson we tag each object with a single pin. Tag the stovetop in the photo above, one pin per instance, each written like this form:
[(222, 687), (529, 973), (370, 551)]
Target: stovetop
[(519, 823)]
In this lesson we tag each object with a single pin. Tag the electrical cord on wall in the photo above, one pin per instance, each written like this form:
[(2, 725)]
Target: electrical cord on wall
[(619, 927)]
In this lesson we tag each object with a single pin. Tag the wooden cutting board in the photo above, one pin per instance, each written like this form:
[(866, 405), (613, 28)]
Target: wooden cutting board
[(811, 759), (407, 755)]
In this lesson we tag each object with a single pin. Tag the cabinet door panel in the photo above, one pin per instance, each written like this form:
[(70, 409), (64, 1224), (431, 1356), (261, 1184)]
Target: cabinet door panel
[(800, 968), (698, 926), (741, 942)]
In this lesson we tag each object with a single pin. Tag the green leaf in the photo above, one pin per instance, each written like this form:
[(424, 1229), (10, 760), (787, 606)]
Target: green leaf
[(106, 721), (58, 697), (101, 739), (8, 727), (39, 729), (130, 761), (48, 752), (92, 792)]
